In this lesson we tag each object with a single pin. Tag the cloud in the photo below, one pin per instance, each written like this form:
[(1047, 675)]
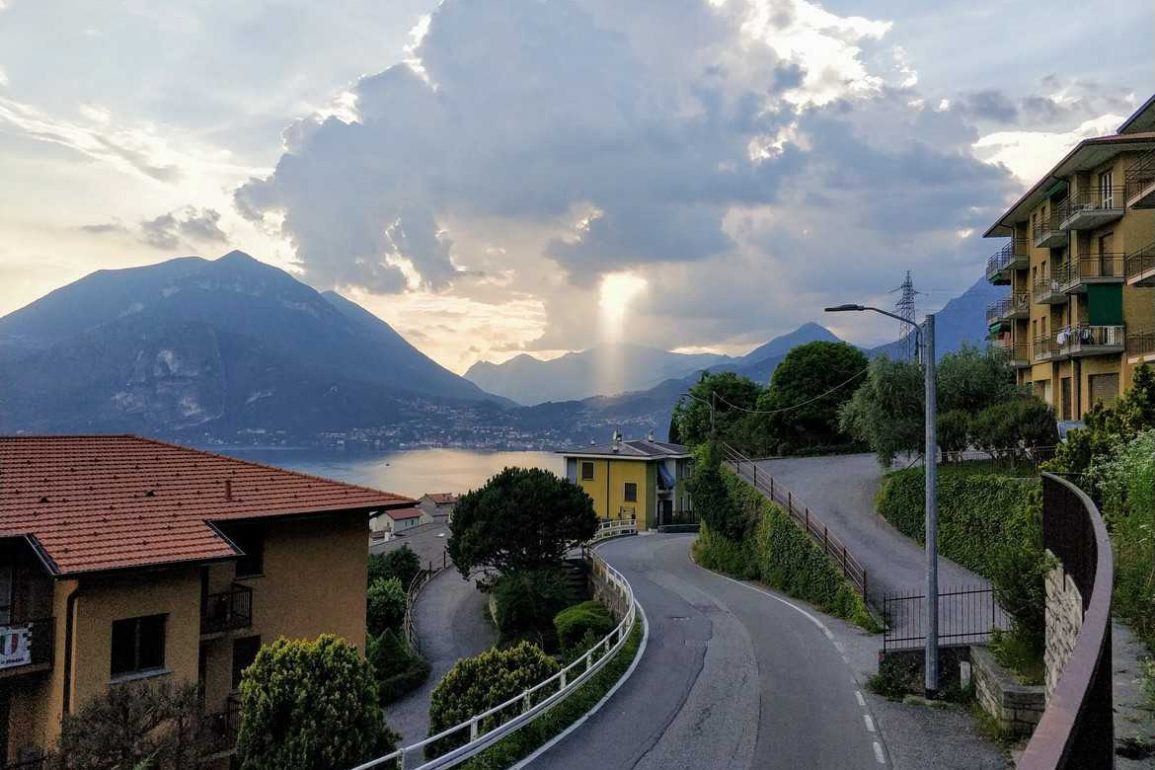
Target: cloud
[(746, 159), (176, 228), (104, 228)]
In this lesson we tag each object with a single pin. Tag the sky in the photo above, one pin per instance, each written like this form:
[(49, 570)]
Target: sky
[(493, 177)]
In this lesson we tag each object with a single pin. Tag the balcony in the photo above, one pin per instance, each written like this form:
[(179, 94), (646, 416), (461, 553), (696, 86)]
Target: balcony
[(1140, 267), (1077, 274), (1139, 182), (1017, 305), (1018, 353), (1084, 340), (1048, 290), (217, 731), (1092, 208), (1002, 264), (1048, 234), (227, 611), (1141, 346), (1044, 349), (26, 647)]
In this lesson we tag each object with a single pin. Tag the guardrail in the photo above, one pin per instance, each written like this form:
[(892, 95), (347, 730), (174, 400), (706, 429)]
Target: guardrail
[(614, 528), (747, 470), (522, 709), (415, 585), (1077, 728)]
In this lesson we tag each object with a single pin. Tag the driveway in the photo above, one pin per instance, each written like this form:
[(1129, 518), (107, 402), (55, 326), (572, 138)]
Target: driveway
[(450, 619)]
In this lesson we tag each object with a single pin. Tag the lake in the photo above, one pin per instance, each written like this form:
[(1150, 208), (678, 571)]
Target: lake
[(410, 472)]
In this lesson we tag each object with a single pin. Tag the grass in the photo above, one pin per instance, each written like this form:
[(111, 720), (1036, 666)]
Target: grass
[(1020, 657), (535, 734)]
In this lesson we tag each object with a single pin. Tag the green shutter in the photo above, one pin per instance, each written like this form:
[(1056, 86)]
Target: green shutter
[(1105, 304)]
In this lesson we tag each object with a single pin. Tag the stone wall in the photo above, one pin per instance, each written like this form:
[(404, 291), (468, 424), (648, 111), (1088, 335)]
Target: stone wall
[(605, 590), (1018, 707), (1064, 621)]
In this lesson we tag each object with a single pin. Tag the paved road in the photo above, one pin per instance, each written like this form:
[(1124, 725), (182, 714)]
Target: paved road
[(450, 619), (841, 491), (732, 678)]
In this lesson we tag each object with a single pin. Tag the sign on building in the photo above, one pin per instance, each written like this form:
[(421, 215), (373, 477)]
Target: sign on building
[(15, 646)]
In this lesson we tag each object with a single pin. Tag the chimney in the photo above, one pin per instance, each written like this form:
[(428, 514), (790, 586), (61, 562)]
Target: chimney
[(650, 436), (617, 440), (229, 490)]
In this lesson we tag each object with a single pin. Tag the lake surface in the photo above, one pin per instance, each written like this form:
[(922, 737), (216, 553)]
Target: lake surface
[(410, 472)]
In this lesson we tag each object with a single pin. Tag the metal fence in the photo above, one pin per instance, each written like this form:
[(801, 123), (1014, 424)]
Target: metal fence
[(408, 629), (482, 730), (747, 470), (965, 616)]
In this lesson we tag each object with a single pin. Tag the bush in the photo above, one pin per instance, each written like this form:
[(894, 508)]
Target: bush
[(710, 498), (479, 683), (1006, 431), (588, 619), (401, 563), (385, 605), (310, 706), (781, 555), (398, 670), (525, 603), (954, 433)]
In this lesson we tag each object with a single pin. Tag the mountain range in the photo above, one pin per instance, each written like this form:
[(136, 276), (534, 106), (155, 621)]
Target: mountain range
[(239, 352)]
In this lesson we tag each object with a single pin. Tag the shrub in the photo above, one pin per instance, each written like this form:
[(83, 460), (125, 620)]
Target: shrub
[(401, 563), (385, 605), (1006, 430), (954, 433), (588, 619), (131, 725), (526, 602), (310, 706), (711, 500), (397, 669), (479, 683)]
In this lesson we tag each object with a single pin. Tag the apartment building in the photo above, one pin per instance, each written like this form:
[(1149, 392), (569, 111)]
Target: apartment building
[(1079, 263), (124, 559)]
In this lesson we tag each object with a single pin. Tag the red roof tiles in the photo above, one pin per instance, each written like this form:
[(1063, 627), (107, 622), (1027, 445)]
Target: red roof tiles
[(401, 514), (110, 502)]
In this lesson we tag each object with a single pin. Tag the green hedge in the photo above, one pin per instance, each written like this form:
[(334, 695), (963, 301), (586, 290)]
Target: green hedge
[(978, 512), (588, 619), (780, 554)]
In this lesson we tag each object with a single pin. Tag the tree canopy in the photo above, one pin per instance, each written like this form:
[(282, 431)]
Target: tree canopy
[(732, 396), (521, 519)]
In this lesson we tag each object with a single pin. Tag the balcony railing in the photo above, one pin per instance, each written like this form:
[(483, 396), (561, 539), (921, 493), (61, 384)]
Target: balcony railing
[(1141, 344), (1048, 233), (1017, 305), (1140, 266), (1048, 290), (1139, 182), (1002, 264), (228, 610), (26, 647), (1078, 273), (1087, 340), (1092, 208), (1017, 352), (218, 730), (1044, 349)]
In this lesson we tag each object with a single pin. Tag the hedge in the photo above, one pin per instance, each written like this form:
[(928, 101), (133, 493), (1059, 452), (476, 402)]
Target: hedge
[(576, 623), (779, 554)]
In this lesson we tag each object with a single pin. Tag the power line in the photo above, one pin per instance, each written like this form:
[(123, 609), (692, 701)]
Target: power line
[(791, 408)]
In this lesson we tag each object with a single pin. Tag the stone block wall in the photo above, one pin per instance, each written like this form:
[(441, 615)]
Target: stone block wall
[(1064, 621), (1017, 706)]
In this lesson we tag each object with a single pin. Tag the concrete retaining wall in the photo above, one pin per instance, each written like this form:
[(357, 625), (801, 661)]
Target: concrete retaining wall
[(1018, 707), (605, 592)]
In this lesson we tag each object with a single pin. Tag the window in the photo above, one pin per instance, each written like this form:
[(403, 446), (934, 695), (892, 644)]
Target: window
[(587, 471), (631, 492), (244, 653), (251, 541), (138, 644), (1106, 193)]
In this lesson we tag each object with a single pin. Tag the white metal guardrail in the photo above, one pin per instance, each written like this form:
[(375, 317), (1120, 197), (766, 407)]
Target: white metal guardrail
[(614, 528), (530, 704)]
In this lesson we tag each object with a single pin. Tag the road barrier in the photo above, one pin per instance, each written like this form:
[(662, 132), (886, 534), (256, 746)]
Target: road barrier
[(522, 709)]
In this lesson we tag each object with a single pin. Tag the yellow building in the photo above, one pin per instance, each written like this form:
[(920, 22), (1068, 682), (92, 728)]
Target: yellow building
[(1080, 266), (633, 480), (128, 560)]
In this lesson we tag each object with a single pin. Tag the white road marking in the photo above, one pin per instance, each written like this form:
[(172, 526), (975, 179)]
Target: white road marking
[(878, 753), (869, 723), (861, 700)]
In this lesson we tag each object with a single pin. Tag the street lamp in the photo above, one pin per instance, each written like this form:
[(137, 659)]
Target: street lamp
[(709, 403), (930, 463)]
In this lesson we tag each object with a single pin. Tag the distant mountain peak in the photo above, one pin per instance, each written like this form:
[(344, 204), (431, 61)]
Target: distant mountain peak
[(236, 255)]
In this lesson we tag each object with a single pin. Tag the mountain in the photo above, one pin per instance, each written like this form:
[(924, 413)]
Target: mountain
[(962, 320), (605, 371), (198, 347)]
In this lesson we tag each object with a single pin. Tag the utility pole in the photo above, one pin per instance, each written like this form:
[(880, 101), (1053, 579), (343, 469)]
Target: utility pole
[(930, 465)]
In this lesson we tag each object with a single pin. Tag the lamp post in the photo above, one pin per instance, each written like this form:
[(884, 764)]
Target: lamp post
[(709, 403), (930, 464)]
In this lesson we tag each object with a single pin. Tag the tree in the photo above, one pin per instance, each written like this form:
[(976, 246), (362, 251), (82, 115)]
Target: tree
[(479, 683), (887, 410), (526, 601), (401, 563), (800, 420), (310, 706), (711, 499), (521, 519), (954, 433), (1007, 430), (398, 669), (129, 726), (971, 380), (732, 395), (385, 605)]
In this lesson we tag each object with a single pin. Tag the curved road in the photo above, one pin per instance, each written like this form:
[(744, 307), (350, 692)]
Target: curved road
[(733, 677)]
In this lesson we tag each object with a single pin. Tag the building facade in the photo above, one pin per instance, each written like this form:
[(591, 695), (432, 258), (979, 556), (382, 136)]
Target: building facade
[(640, 480), (126, 560), (1079, 264)]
